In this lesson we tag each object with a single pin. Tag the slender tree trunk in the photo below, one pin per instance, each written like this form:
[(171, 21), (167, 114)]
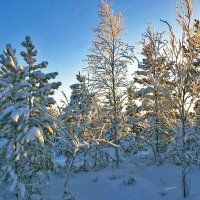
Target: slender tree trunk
[(67, 176), (157, 132), (185, 188), (184, 166), (85, 161), (117, 156)]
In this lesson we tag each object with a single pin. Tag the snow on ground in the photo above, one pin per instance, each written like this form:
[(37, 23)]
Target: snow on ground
[(152, 183)]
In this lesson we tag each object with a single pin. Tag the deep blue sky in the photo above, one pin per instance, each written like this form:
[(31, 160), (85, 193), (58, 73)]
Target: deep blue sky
[(61, 29)]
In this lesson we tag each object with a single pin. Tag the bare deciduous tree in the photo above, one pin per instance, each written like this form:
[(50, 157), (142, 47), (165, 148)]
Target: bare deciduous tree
[(182, 88), (107, 65)]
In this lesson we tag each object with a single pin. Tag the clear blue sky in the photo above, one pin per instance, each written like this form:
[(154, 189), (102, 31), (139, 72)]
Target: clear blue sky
[(61, 29)]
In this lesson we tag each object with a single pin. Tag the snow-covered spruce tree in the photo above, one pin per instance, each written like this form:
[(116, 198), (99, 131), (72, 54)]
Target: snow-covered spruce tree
[(107, 66), (13, 122), (132, 112), (26, 125), (41, 90), (40, 107), (153, 103), (182, 89), (79, 114), (81, 128), (134, 123)]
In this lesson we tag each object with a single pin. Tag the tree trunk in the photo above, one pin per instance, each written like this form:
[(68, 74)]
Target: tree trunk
[(117, 156), (185, 188)]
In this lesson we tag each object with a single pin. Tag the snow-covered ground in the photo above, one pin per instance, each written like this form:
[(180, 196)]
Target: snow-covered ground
[(136, 179), (152, 183)]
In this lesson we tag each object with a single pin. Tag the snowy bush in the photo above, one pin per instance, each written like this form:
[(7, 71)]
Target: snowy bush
[(130, 181)]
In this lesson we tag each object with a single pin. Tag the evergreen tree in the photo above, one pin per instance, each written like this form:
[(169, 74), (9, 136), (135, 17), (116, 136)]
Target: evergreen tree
[(13, 122), (26, 123), (79, 115), (134, 123), (153, 103), (40, 107)]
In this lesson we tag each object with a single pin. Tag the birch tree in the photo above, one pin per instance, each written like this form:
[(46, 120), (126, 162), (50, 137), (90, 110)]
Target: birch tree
[(182, 88), (107, 66)]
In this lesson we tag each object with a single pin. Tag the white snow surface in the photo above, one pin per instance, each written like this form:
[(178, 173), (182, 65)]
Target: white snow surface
[(35, 133), (15, 115), (152, 183), (60, 161)]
